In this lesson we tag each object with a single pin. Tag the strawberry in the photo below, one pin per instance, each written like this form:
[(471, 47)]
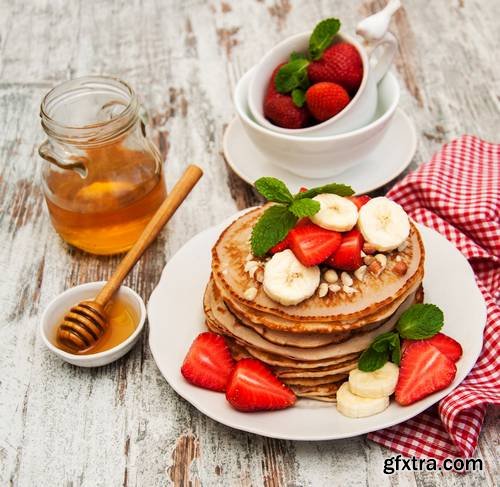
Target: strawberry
[(280, 246), (445, 344), (423, 371), (348, 255), (361, 200), (280, 109), (302, 189), (312, 244), (342, 64), (253, 387), (325, 100), (208, 363)]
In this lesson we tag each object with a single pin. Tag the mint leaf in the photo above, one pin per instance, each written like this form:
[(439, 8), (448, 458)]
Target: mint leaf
[(334, 188), (304, 207), (420, 321), (292, 75), (273, 226), (371, 360), (298, 97), (297, 55), (322, 37), (274, 190), (385, 342), (396, 352)]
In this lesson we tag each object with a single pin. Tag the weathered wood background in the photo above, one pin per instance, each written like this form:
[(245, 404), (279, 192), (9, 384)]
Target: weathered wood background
[(122, 424)]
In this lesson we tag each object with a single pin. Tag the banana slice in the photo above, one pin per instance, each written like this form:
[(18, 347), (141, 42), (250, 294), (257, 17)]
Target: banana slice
[(376, 384), (336, 213), (354, 406), (287, 281), (383, 223)]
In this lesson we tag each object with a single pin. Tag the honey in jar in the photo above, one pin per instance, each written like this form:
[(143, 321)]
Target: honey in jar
[(102, 177)]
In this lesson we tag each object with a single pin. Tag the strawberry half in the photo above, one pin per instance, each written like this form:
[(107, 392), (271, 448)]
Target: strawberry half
[(311, 244), (208, 363), (445, 344), (280, 246), (423, 371), (348, 255), (361, 200), (253, 387)]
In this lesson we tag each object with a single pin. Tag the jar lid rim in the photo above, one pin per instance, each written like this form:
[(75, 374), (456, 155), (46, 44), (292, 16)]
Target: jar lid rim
[(52, 125)]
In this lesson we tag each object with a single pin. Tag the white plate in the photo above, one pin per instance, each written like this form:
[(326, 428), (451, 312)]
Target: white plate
[(176, 317), (391, 157)]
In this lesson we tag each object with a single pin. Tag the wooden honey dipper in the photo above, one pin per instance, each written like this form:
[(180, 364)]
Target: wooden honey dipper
[(86, 322)]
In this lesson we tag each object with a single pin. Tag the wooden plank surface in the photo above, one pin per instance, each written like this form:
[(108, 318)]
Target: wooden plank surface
[(122, 424)]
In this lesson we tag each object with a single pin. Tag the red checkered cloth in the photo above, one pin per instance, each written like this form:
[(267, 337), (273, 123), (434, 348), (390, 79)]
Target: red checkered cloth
[(457, 193)]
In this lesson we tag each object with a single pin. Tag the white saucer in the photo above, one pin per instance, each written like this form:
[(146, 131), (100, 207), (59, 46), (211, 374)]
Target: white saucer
[(388, 160)]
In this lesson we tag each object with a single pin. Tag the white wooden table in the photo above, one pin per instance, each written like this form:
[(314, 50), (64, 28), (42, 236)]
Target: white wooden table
[(122, 424)]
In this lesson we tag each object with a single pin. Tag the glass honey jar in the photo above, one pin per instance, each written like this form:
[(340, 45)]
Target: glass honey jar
[(102, 176)]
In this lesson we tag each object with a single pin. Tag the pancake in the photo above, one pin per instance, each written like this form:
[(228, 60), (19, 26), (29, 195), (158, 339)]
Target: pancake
[(225, 320), (228, 265), (213, 301), (308, 381), (274, 322)]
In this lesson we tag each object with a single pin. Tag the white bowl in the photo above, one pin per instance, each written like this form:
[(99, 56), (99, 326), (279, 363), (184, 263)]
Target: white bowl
[(360, 110), (61, 304), (319, 157)]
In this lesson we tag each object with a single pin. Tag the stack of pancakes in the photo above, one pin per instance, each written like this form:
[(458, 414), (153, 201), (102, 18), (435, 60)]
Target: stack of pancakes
[(313, 345)]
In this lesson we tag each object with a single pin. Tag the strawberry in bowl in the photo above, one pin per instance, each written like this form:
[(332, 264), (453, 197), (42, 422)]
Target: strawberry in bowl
[(318, 83)]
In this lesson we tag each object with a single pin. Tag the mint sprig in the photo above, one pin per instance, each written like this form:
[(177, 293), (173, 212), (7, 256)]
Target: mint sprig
[(418, 322), (322, 37), (292, 77), (275, 223), (299, 97)]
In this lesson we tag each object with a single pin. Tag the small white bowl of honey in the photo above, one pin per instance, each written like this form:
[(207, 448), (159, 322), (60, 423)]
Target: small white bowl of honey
[(126, 314)]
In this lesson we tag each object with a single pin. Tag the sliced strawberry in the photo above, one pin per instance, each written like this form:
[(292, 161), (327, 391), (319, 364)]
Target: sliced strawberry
[(348, 255), (253, 387), (445, 344), (208, 363), (423, 371), (312, 244), (280, 246), (361, 200)]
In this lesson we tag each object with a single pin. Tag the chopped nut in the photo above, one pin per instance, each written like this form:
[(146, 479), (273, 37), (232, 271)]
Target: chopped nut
[(334, 288), (368, 259), (259, 275), (330, 276), (403, 246), (249, 257), (363, 254), (375, 268), (398, 258), (381, 259), (251, 265), (360, 272), (400, 268), (346, 279), (322, 290), (349, 290), (251, 293), (369, 248)]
